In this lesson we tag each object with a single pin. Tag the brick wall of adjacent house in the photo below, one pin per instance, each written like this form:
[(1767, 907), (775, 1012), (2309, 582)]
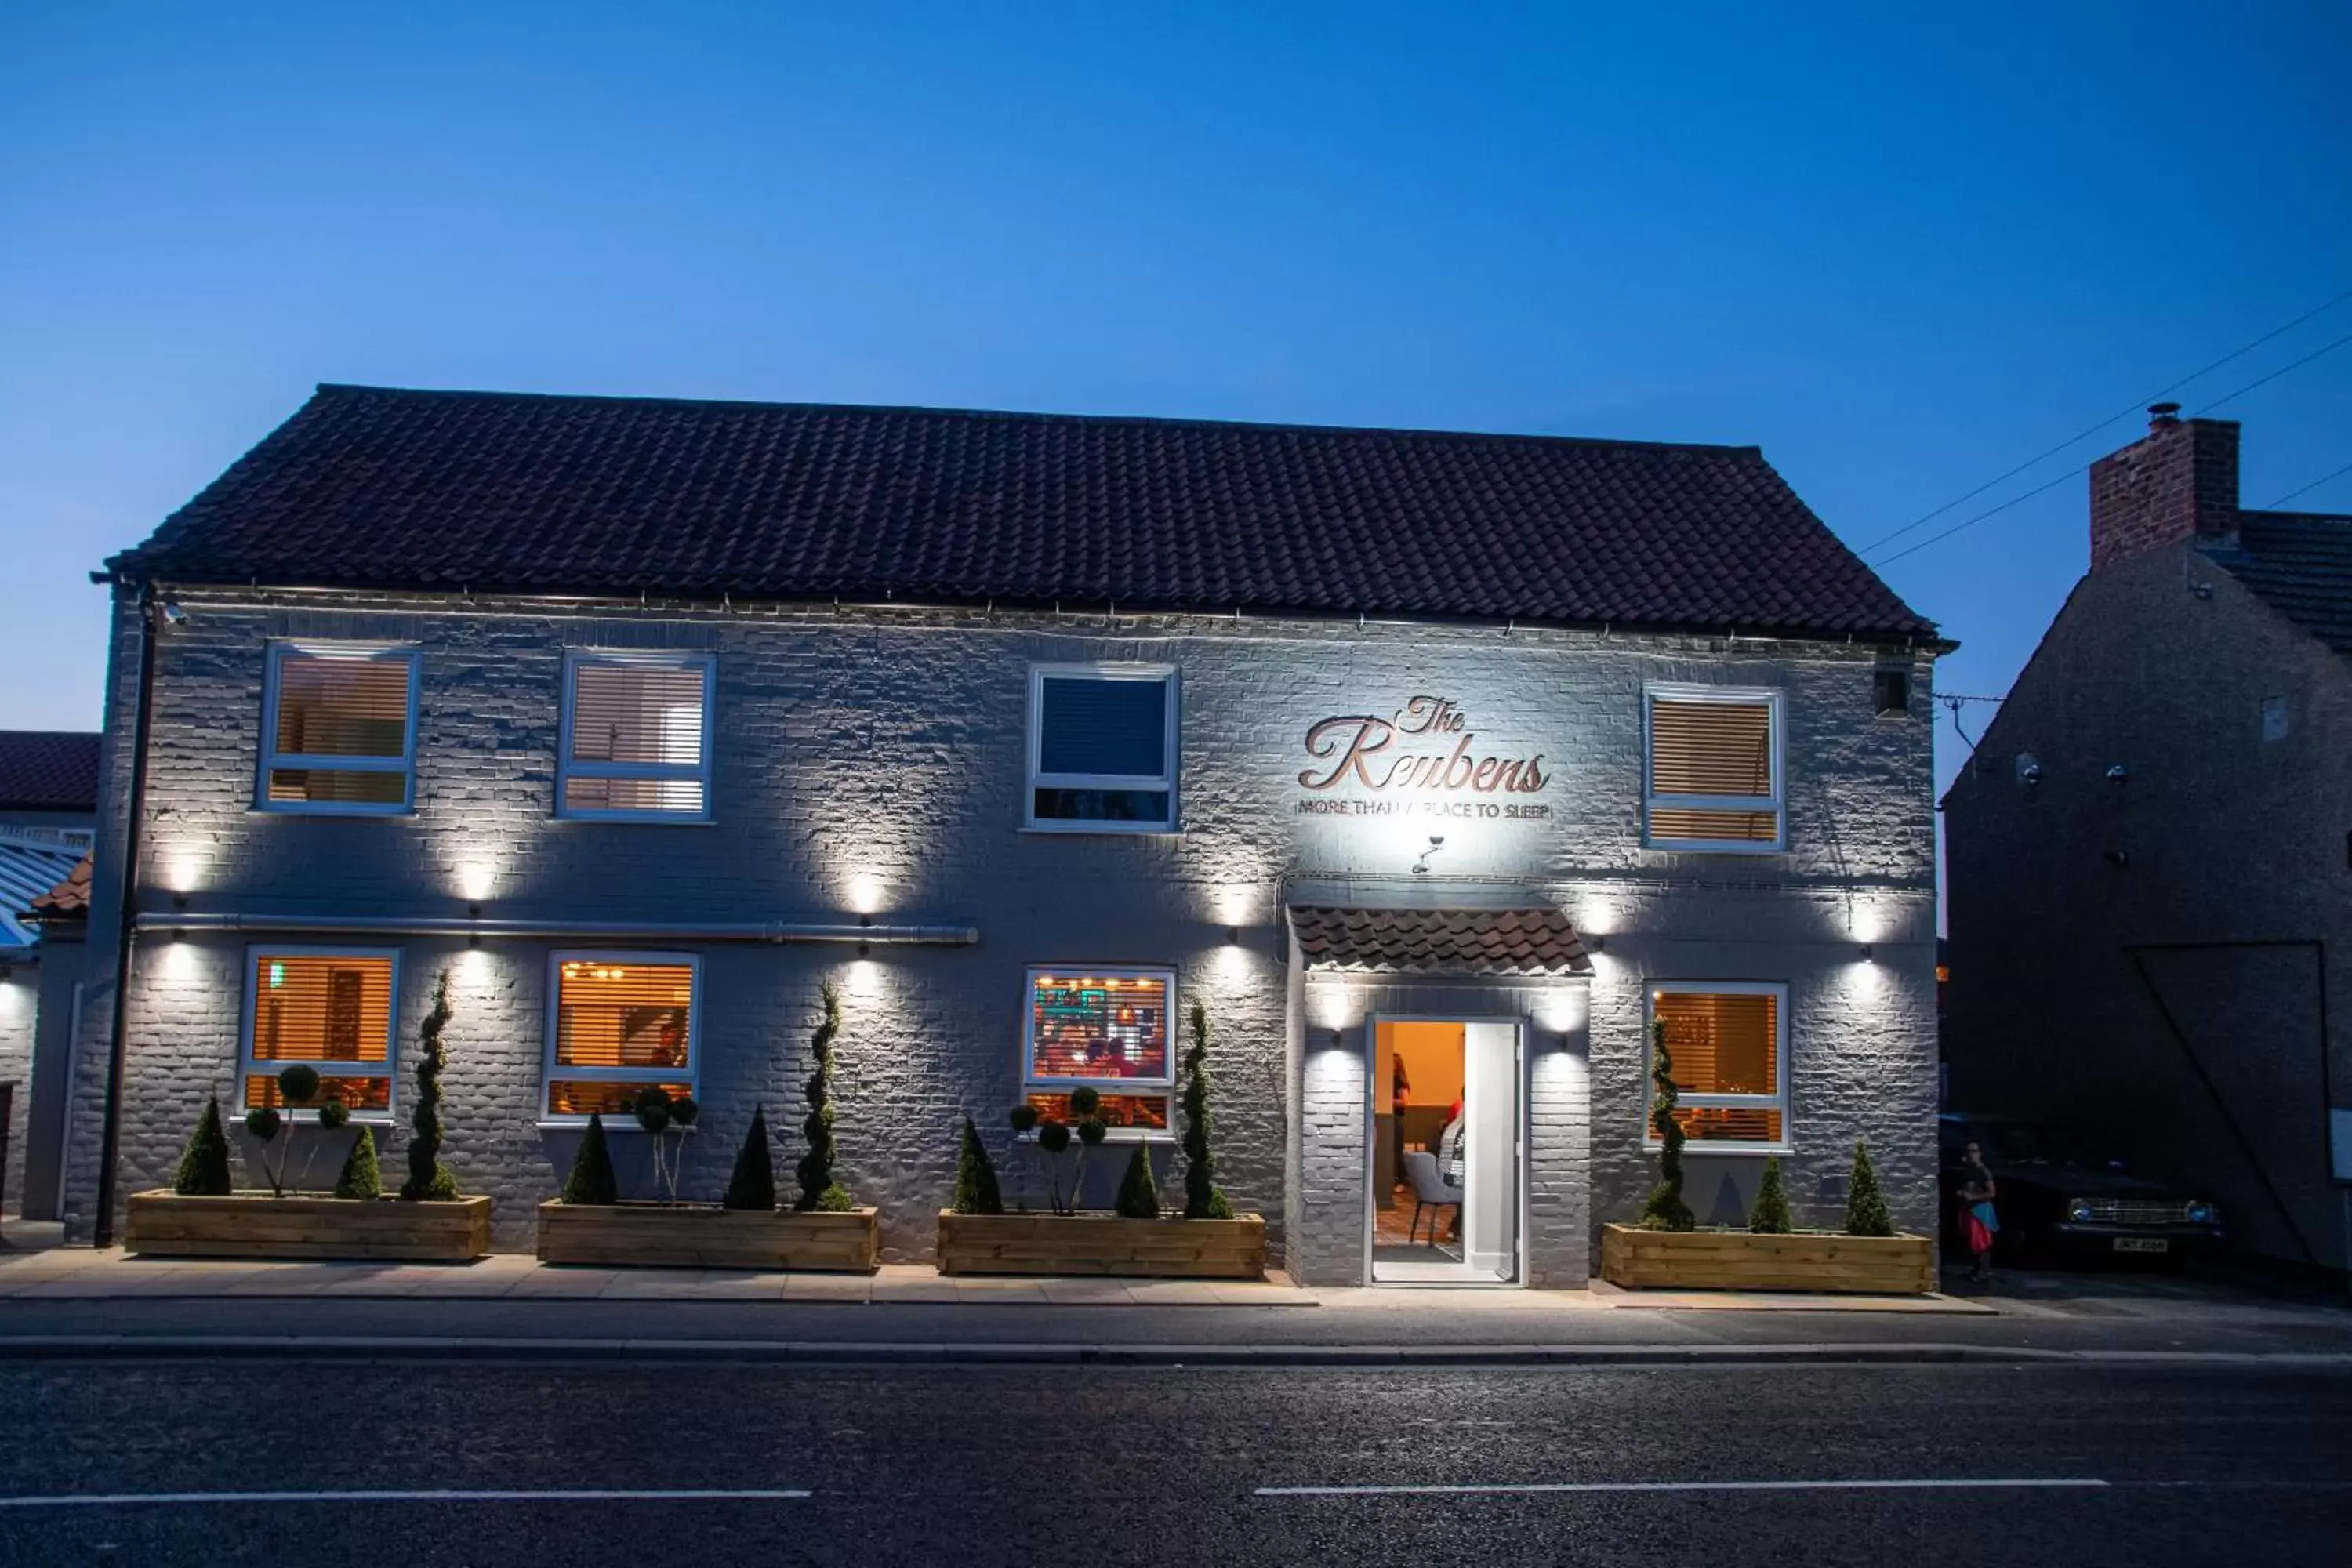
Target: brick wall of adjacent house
[(19, 1011), (2141, 959), (885, 748)]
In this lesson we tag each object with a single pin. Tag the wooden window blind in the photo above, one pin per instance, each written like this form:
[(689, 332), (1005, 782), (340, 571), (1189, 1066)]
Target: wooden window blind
[(621, 1022), (339, 732), (1713, 774), (1726, 1066), (635, 733), (330, 1011)]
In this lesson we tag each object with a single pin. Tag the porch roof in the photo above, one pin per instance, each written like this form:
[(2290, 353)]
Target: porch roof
[(1535, 939)]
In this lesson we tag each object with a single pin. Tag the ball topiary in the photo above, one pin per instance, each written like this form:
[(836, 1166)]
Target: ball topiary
[(334, 1115), (1085, 1101), (297, 1084), (1053, 1137), (264, 1121), (1024, 1118), (651, 1107)]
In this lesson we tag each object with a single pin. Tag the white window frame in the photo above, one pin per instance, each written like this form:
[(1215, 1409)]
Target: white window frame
[(1777, 1101), (249, 1066), (1165, 674), (550, 1070), (1777, 802), (1140, 1088), (567, 769), (273, 760)]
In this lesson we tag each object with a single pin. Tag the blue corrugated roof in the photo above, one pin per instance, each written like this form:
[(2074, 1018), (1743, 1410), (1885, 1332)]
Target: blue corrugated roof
[(32, 861)]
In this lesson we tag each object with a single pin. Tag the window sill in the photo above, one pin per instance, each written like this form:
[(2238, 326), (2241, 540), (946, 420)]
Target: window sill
[(619, 1122), (1703, 847), (1115, 1135), (1694, 1147), (638, 818), (309, 1119), (1108, 829), (347, 812)]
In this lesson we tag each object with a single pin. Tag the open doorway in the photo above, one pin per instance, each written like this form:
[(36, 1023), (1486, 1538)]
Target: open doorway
[(1444, 1167)]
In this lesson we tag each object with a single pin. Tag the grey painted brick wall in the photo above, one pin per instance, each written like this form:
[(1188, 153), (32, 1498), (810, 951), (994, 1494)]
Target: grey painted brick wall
[(885, 749)]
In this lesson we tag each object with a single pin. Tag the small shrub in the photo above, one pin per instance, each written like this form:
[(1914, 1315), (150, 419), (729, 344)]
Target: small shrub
[(1138, 1194), (835, 1199), (1772, 1214), (1865, 1205), (204, 1163), (651, 1107), (361, 1177), (264, 1122), (976, 1189), (1084, 1100), (753, 1184), (592, 1180)]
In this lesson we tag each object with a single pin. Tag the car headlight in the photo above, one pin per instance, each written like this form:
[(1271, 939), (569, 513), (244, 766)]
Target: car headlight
[(2204, 1214), (2078, 1209)]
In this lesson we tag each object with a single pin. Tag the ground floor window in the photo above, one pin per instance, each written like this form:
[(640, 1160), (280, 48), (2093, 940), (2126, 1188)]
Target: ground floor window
[(1104, 1029), (1729, 1048), (621, 1021), (322, 1008)]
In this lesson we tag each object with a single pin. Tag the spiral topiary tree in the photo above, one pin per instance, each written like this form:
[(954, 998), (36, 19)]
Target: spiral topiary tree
[(1770, 1215), (819, 1190), (430, 1180), (592, 1180), (976, 1189), (753, 1184), (1203, 1200), (1139, 1193), (361, 1176), (1666, 1210), (1865, 1205), (204, 1163)]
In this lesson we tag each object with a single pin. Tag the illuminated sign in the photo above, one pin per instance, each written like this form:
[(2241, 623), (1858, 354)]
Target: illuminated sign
[(1412, 760)]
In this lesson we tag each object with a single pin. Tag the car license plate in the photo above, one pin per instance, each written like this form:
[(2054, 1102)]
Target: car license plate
[(2142, 1244)]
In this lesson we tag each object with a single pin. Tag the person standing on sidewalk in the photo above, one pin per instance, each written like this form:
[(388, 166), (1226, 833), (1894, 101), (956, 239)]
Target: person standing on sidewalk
[(1979, 1223)]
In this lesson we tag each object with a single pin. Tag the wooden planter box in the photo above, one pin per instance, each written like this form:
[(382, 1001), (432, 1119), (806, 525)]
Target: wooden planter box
[(1102, 1244), (254, 1224), (1742, 1261), (700, 1235)]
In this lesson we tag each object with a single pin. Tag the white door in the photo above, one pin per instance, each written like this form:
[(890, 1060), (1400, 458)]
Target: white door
[(1490, 1111)]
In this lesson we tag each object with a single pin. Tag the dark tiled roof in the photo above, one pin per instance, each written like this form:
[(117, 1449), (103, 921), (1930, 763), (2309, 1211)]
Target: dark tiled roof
[(368, 487), (48, 770), (1440, 941), (69, 899), (2300, 564)]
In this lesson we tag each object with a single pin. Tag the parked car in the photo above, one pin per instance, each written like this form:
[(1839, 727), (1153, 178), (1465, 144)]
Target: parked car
[(2060, 1201)]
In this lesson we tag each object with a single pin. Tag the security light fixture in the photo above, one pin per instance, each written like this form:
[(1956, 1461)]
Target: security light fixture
[(173, 614), (1868, 955), (1596, 944), (1436, 842), (1232, 936), (2118, 773)]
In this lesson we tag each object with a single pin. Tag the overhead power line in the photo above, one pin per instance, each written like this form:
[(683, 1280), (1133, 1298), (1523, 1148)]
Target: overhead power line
[(2305, 490), (2090, 430), (2085, 468)]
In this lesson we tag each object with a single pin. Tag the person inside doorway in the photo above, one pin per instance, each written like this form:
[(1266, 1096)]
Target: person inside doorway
[(1400, 1094)]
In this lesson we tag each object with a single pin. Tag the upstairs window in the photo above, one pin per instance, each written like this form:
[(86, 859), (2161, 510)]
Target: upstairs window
[(324, 1009), (1107, 1029), (338, 729), (622, 1020), (1714, 770), (1730, 1060), (1102, 748), (636, 737)]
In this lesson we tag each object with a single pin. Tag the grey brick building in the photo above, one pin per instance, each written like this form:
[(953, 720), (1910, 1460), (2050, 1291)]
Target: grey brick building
[(2150, 853), (48, 814), (641, 721)]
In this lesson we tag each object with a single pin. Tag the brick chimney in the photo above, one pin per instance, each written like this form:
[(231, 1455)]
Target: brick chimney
[(2176, 482)]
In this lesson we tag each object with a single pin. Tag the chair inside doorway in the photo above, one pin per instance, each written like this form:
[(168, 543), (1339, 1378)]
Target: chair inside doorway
[(1418, 1182)]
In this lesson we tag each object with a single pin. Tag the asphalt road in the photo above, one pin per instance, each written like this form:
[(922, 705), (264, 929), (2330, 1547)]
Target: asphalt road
[(987, 1465)]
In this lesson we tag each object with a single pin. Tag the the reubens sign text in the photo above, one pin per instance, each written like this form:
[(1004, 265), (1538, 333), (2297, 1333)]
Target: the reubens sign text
[(1426, 748)]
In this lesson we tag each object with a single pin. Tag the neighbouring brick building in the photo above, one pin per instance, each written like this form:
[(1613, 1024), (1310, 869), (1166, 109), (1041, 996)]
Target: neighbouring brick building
[(640, 720), (2150, 853), (48, 813)]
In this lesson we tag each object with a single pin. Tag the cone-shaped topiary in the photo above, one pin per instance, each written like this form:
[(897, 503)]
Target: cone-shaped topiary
[(204, 1164), (361, 1177), (818, 1189), (428, 1179), (1772, 1214), (1865, 1205), (1666, 1210), (1138, 1194), (976, 1189), (1202, 1198), (753, 1184), (592, 1180)]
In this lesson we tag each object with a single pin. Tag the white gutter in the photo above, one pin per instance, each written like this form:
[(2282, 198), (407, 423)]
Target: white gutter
[(697, 930)]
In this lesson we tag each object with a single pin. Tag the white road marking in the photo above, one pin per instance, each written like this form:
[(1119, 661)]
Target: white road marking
[(120, 1499), (2039, 1482)]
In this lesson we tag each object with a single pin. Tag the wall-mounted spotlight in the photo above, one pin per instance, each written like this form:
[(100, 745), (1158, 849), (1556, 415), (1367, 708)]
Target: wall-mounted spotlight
[(1232, 936), (2118, 858), (864, 948), (1868, 953), (2118, 773), (1596, 944)]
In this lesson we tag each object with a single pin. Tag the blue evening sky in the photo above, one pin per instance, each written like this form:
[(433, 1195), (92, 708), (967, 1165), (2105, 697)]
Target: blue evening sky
[(1902, 252)]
